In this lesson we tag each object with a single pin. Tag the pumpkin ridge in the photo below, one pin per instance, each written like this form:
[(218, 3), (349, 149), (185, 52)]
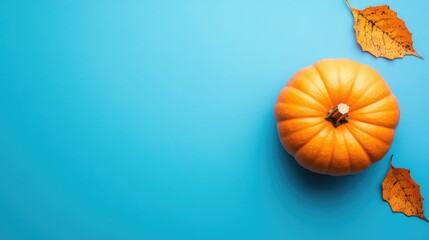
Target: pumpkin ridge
[(354, 120), (283, 122), (313, 135), (376, 139), (306, 94), (360, 144), (358, 99), (364, 113), (353, 85), (375, 101), (301, 106), (334, 138), (321, 145), (347, 151), (368, 105), (323, 92), (369, 133), (316, 155), (356, 146), (360, 116), (340, 85), (324, 84), (361, 95)]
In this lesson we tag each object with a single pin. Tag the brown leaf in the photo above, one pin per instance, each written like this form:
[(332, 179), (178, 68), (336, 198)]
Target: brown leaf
[(402, 193), (380, 32)]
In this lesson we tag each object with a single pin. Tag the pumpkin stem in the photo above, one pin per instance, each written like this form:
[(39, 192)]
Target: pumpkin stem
[(338, 115)]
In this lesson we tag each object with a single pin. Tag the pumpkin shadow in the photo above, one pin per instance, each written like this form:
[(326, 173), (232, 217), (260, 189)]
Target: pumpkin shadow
[(314, 181), (312, 188)]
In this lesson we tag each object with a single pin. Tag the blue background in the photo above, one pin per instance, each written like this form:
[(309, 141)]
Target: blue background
[(154, 120)]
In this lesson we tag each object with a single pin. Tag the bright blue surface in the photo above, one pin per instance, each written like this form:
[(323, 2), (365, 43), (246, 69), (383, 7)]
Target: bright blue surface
[(154, 120)]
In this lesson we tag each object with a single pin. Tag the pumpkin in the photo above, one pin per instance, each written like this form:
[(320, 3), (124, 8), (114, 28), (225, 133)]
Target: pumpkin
[(336, 117)]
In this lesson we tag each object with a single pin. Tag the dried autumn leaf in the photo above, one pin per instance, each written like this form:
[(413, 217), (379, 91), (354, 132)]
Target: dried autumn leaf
[(402, 193), (380, 32)]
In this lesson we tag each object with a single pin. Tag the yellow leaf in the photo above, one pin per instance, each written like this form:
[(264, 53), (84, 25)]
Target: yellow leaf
[(380, 32), (402, 193)]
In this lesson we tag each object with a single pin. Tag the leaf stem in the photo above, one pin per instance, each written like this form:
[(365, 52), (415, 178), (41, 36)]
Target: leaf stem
[(350, 6), (418, 55)]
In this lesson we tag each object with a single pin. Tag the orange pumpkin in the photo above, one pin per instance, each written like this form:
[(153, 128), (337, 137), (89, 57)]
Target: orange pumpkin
[(336, 117)]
